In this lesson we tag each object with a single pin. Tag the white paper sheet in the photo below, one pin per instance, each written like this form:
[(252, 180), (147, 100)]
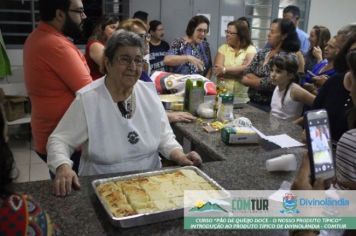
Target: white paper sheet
[(284, 141)]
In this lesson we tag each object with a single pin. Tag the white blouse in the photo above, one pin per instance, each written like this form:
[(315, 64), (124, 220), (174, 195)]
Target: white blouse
[(112, 143)]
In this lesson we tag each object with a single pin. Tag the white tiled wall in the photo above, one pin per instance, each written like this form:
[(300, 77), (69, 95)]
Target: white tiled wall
[(15, 56)]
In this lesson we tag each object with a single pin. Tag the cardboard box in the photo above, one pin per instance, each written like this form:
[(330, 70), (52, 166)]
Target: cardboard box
[(14, 107)]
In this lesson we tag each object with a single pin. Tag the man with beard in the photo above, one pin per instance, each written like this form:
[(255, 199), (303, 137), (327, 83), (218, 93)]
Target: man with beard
[(54, 68), (158, 47)]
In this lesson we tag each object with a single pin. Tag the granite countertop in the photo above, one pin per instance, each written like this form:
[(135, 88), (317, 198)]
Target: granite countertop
[(81, 213), (212, 145), (239, 168)]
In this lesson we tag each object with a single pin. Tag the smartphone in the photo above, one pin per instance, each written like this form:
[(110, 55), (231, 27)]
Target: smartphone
[(319, 144), (311, 73)]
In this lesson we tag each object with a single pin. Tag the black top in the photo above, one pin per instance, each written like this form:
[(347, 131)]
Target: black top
[(336, 100), (157, 53)]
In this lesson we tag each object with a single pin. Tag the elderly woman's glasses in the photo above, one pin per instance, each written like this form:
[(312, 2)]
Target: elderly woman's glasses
[(204, 31), (127, 61), (145, 36)]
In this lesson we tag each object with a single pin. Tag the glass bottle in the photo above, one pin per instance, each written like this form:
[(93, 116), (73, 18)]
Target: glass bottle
[(220, 89)]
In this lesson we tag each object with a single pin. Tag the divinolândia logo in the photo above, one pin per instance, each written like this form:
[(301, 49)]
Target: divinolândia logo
[(201, 206), (290, 204)]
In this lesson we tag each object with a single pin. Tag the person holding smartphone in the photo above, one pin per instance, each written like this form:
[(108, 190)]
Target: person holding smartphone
[(345, 152), (333, 96), (345, 168), (345, 174)]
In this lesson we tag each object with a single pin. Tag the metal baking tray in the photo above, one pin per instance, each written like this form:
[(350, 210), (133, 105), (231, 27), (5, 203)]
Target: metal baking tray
[(149, 218)]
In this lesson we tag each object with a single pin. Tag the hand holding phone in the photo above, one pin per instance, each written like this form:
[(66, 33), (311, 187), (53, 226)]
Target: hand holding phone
[(319, 145), (302, 179)]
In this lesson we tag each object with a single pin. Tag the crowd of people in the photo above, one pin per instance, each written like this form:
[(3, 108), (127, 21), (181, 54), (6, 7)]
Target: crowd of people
[(85, 106)]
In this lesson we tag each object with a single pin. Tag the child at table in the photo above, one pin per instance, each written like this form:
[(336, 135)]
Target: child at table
[(288, 97)]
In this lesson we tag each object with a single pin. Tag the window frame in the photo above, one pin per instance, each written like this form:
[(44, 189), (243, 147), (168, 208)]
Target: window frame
[(117, 7), (276, 7)]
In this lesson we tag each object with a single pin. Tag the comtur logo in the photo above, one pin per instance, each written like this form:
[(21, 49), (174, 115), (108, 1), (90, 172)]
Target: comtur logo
[(201, 206)]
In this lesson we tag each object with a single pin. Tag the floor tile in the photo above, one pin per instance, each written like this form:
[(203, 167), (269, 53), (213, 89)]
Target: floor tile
[(22, 156), (39, 172), (23, 173), (15, 143), (35, 159)]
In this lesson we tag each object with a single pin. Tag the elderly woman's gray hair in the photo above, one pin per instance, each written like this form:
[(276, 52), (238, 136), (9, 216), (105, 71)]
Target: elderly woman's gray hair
[(122, 38)]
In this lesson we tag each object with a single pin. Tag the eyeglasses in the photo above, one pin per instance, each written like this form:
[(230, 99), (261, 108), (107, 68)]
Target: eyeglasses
[(145, 36), (127, 61), (229, 32), (205, 31), (79, 11)]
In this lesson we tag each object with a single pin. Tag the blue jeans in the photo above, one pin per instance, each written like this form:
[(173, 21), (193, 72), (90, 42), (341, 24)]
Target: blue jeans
[(75, 158)]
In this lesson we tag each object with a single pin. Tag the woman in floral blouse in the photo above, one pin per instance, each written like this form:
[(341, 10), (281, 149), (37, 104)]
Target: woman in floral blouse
[(191, 54), (283, 39)]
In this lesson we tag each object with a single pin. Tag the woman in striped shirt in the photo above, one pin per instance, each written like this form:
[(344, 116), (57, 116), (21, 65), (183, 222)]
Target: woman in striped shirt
[(346, 147)]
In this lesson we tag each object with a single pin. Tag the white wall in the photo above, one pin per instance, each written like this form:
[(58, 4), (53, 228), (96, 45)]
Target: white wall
[(332, 14), (15, 57)]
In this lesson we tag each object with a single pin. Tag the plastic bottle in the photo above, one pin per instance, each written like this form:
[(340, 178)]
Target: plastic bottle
[(226, 107), (220, 89), (194, 95), (188, 88)]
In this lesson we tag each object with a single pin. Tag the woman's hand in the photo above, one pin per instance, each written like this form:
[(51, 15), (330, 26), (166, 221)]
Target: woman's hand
[(319, 80), (189, 159), (174, 117), (218, 70), (317, 53), (199, 64), (302, 180), (65, 178), (310, 88)]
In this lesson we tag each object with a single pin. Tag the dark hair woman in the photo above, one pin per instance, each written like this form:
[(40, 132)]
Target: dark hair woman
[(191, 54), (233, 57), (283, 39), (94, 50), (288, 97)]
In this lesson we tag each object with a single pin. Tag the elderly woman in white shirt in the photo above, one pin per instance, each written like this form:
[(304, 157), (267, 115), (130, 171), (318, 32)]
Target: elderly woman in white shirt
[(119, 120)]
